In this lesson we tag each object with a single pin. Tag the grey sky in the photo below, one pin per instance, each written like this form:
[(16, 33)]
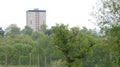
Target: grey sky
[(72, 12)]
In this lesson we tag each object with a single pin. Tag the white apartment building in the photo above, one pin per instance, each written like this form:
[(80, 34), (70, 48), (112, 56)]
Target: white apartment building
[(35, 18)]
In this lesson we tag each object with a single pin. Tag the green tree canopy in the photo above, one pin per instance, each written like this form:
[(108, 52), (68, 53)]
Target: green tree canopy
[(27, 30), (13, 30), (108, 18), (72, 43)]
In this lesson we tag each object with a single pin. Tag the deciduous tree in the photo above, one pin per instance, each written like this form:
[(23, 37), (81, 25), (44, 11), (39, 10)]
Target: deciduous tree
[(74, 44)]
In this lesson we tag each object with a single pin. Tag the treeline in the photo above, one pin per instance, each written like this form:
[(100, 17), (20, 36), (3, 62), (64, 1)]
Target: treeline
[(25, 47), (59, 46)]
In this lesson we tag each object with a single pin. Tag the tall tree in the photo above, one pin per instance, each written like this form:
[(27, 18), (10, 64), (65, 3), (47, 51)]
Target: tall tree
[(114, 41), (43, 28), (74, 44), (12, 30), (27, 30), (21, 50), (107, 13), (108, 18)]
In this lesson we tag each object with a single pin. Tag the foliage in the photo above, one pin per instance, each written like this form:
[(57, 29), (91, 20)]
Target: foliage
[(108, 18), (114, 38), (27, 30), (63, 46), (13, 30), (107, 13), (72, 43)]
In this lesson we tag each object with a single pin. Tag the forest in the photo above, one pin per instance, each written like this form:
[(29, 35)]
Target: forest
[(62, 46)]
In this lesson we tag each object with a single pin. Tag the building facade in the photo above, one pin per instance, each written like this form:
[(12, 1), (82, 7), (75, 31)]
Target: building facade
[(35, 18)]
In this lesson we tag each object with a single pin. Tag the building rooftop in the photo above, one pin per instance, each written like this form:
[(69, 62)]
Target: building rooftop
[(36, 10)]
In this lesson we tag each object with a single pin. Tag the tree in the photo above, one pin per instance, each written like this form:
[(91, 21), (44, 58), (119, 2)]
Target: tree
[(2, 55), (20, 51), (108, 18), (12, 30), (37, 35), (43, 50), (107, 13), (43, 28), (101, 56), (92, 32), (74, 44), (114, 39), (24, 39), (6, 41), (1, 32), (27, 30)]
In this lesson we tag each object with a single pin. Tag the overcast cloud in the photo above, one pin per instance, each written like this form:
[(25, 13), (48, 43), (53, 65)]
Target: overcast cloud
[(72, 12)]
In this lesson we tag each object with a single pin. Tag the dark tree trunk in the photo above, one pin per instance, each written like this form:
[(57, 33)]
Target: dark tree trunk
[(69, 61), (68, 65)]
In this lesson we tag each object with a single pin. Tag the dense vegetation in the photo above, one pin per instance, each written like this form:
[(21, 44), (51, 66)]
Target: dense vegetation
[(58, 46), (61, 46)]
